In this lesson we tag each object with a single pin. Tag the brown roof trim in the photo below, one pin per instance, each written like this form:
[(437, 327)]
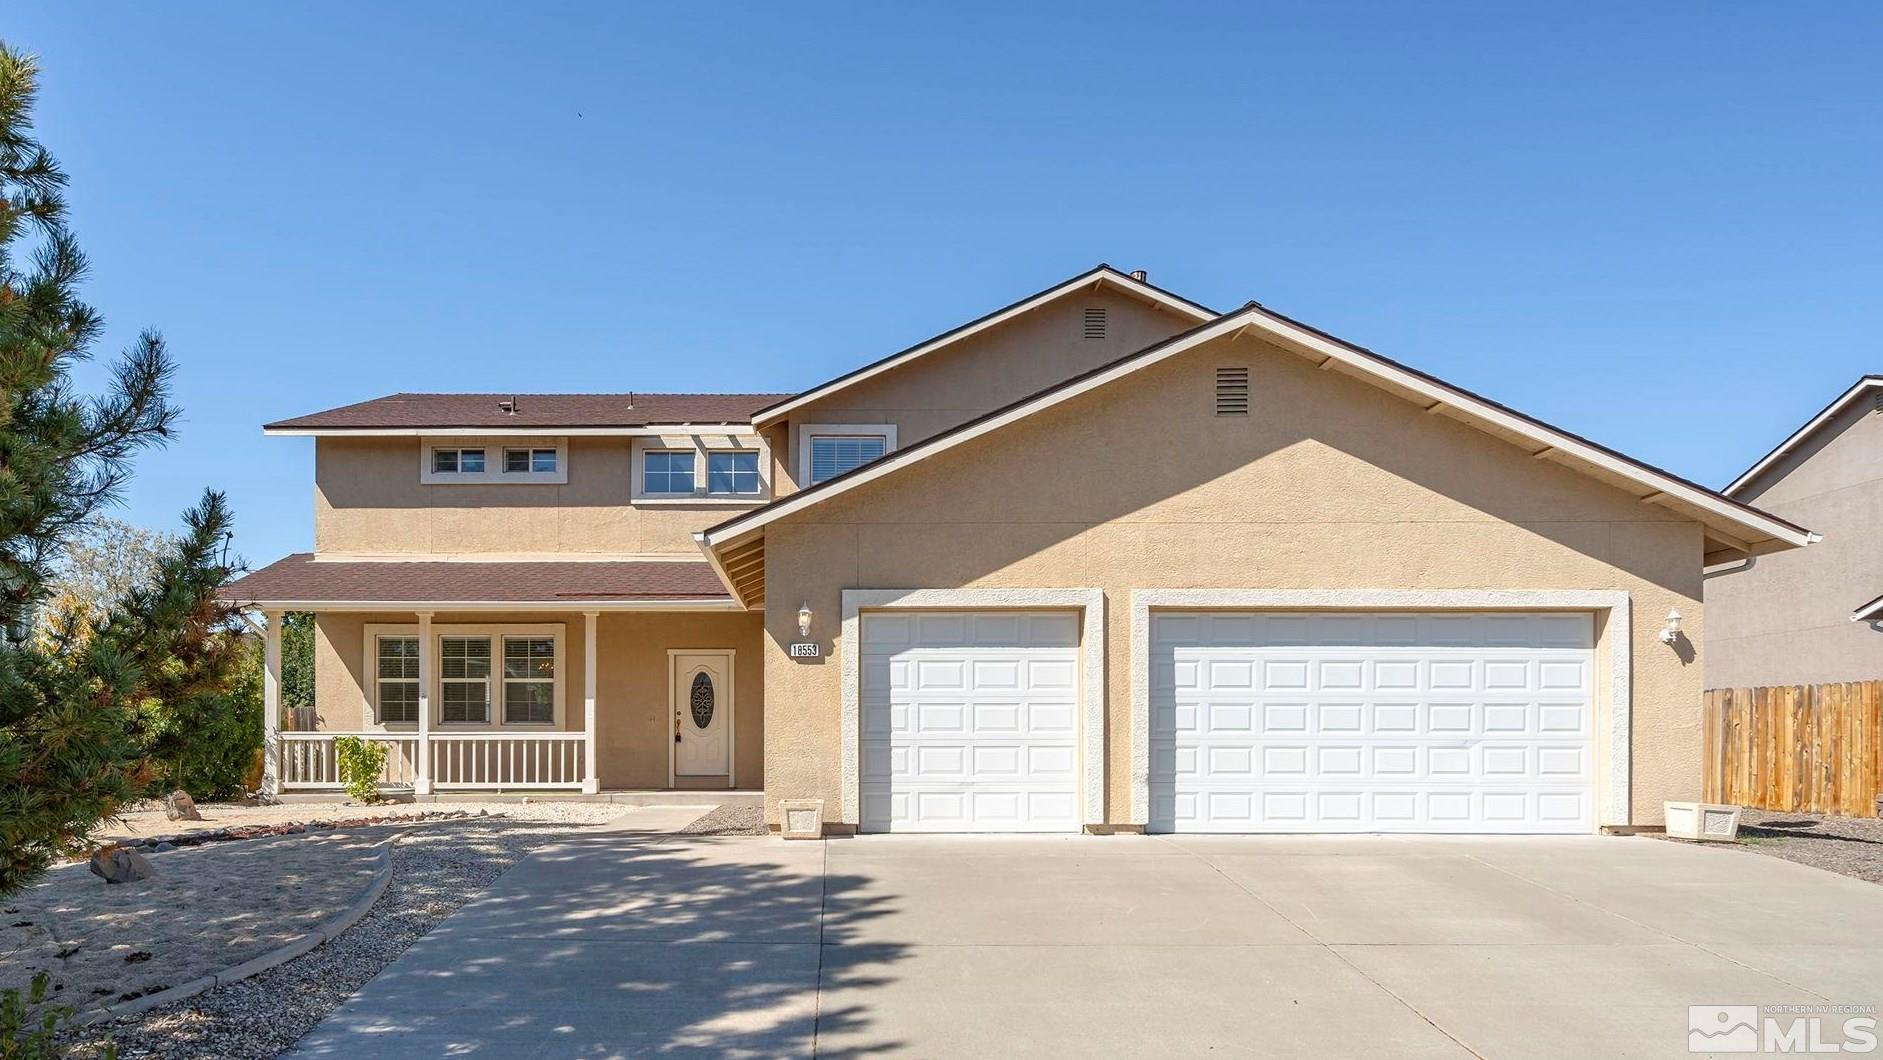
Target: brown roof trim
[(304, 579), (913, 452), (536, 412), (1101, 271)]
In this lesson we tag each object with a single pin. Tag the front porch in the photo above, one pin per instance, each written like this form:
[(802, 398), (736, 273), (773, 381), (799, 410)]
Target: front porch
[(587, 699)]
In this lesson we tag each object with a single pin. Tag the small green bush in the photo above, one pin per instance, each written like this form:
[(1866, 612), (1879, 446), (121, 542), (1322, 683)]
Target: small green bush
[(360, 766), (29, 1028)]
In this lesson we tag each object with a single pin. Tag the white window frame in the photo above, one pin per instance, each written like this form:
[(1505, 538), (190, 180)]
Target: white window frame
[(702, 446), (373, 710), (529, 459), (495, 447), (490, 666), (809, 431), (555, 631), (758, 463), (503, 680)]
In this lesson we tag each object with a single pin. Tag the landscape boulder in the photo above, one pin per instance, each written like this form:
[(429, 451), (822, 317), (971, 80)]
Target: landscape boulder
[(119, 865), (178, 806)]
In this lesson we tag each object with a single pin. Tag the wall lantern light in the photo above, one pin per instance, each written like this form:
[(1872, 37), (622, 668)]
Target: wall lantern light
[(1672, 633), (804, 620)]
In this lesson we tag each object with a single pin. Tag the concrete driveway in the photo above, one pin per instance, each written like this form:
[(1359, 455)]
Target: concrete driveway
[(629, 945)]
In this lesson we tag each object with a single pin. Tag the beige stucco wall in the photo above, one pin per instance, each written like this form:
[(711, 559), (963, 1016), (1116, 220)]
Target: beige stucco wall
[(988, 370), (1330, 483), (1784, 619), (368, 498), (632, 706)]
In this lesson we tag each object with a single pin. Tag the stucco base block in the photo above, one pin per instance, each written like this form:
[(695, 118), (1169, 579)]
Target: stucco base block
[(1090, 603), (1617, 631)]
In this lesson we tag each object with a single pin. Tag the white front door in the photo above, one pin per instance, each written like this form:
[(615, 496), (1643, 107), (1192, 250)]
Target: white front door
[(1372, 722), (970, 721), (702, 714)]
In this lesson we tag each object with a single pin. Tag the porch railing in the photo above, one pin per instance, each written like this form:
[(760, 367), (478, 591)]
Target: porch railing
[(485, 760), (459, 760), (309, 761)]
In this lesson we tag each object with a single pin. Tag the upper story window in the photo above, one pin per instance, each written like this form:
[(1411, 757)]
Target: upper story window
[(827, 450), (457, 461), (700, 469), (497, 460), (526, 461), (667, 473), (732, 473)]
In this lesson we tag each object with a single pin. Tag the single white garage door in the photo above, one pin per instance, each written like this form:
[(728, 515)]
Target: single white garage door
[(970, 722), (1372, 722)]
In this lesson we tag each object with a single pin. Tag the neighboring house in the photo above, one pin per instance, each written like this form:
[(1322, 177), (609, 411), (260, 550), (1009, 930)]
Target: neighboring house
[(1103, 559), (1815, 616)]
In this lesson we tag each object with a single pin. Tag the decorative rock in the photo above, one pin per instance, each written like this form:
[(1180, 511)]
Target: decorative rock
[(178, 806), (119, 865), (161, 847)]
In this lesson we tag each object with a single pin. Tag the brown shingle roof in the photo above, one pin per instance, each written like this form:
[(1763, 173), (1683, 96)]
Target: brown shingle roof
[(418, 411), (302, 579)]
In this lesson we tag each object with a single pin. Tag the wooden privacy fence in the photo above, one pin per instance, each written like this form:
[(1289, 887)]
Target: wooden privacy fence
[(1803, 748)]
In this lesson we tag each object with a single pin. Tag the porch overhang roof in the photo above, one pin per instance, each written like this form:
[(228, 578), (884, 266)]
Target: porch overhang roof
[(306, 582)]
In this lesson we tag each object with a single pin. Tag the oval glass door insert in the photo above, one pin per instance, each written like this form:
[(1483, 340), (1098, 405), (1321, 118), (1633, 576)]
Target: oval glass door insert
[(702, 699)]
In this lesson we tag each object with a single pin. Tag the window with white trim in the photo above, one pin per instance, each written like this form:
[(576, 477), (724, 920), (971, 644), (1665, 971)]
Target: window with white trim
[(529, 461), (666, 472), (529, 680), (457, 461), (835, 454), (397, 677), (464, 679), (732, 472)]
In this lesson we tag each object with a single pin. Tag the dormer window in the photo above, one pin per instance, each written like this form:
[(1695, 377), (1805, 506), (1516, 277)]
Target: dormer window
[(457, 461)]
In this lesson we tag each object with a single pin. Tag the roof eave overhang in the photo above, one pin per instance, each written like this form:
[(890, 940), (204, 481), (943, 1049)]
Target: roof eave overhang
[(1728, 522), (1101, 276), (1868, 611), (1798, 437), (710, 603)]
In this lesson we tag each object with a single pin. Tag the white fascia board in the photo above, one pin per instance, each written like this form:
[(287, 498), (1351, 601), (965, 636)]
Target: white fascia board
[(719, 569), (1361, 363), (653, 430), (1102, 274), (1830, 411), (713, 604), (1868, 611)]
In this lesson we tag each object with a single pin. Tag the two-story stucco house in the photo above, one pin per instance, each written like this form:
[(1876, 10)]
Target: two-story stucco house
[(1103, 559), (1816, 616)]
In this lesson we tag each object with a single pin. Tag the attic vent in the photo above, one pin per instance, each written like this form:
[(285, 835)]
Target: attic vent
[(1094, 322), (1232, 391), (1877, 399)]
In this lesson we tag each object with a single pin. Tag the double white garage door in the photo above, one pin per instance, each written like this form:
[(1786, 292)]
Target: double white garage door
[(1260, 722)]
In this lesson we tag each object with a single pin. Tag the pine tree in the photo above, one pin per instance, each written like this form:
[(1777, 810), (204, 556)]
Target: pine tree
[(69, 735)]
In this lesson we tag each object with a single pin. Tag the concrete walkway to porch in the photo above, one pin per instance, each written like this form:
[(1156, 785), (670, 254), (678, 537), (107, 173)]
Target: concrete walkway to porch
[(636, 943)]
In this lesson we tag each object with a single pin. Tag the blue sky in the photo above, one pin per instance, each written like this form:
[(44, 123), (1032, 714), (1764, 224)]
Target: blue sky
[(1656, 225)]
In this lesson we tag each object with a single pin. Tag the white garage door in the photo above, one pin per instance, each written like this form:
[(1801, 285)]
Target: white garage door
[(970, 722), (1272, 722)]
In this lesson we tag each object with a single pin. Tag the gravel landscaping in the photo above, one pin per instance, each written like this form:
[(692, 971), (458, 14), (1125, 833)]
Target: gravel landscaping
[(729, 820), (436, 868), (1850, 846), (203, 909)]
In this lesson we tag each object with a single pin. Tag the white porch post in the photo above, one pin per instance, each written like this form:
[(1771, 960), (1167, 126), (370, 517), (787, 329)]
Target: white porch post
[(422, 777), (591, 778), (271, 703)]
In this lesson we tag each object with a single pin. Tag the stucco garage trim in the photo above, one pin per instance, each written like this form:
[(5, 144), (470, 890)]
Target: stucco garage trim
[(1090, 603), (1617, 630)]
